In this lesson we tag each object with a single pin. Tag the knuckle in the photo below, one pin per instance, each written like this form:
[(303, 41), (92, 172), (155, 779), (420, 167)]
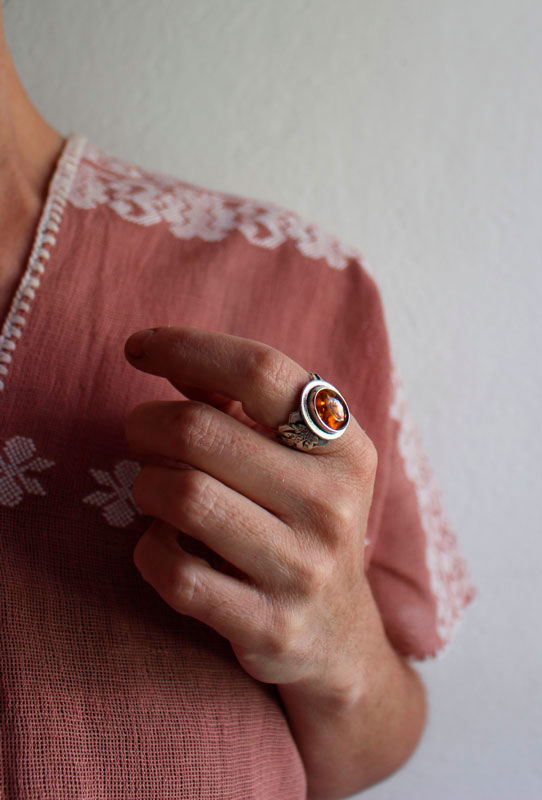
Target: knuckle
[(194, 489), (359, 465), (266, 365), (283, 636), (312, 578), (175, 579), (197, 500), (336, 512), (139, 489), (344, 512), (199, 429), (366, 458), (370, 455), (186, 416), (183, 584)]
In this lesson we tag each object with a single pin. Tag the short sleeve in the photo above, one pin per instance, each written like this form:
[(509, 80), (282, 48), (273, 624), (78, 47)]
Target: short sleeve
[(417, 573)]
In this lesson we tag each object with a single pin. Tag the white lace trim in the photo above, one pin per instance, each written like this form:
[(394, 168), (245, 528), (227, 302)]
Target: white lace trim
[(149, 198), (44, 242), (449, 577)]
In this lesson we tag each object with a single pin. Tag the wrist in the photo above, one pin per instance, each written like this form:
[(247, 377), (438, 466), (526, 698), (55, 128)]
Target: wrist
[(349, 675)]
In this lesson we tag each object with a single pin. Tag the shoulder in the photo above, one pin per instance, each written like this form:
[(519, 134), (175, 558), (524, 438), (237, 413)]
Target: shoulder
[(248, 265), (185, 211)]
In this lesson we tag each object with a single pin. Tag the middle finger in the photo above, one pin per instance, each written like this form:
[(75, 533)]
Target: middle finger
[(265, 471)]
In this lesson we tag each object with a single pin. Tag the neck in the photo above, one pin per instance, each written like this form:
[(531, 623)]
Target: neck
[(29, 149)]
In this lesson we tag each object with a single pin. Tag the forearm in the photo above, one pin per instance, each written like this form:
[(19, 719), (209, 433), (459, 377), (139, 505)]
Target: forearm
[(350, 739)]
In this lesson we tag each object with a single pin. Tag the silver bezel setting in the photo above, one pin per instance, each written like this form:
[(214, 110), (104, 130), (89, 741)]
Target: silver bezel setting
[(310, 416)]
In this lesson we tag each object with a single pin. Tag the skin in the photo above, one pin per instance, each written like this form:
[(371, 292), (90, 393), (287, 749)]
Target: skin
[(295, 603), (292, 596), (29, 149)]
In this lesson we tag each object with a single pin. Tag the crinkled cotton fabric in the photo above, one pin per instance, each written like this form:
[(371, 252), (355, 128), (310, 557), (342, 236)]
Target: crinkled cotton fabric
[(106, 691)]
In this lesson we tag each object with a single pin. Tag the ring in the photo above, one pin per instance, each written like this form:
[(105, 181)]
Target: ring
[(322, 415)]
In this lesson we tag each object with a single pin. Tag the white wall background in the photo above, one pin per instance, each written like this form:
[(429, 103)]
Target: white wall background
[(412, 129)]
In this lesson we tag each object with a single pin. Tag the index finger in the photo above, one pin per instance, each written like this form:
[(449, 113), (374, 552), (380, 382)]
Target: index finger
[(267, 382)]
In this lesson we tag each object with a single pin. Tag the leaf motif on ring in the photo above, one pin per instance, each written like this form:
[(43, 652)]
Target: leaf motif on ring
[(297, 435)]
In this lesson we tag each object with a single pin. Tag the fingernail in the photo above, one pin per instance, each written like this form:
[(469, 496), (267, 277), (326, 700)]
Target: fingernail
[(134, 346)]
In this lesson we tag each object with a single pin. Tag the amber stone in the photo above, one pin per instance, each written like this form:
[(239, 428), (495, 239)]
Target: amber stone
[(330, 409)]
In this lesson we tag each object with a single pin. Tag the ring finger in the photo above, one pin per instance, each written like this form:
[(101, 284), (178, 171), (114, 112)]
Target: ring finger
[(273, 476), (244, 534)]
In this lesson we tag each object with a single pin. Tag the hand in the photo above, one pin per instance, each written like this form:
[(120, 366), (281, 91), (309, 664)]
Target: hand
[(292, 524)]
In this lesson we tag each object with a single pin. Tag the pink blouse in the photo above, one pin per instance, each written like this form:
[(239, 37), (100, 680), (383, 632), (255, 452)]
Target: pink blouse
[(106, 691)]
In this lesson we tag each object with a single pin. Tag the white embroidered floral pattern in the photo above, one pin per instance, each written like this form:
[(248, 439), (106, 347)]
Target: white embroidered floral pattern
[(17, 462), (119, 507), (148, 198), (449, 576)]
